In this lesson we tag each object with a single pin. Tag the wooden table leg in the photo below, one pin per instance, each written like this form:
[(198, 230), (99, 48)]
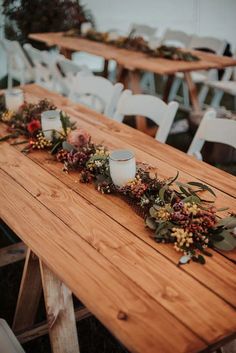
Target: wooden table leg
[(168, 86), (105, 68), (66, 52), (29, 294), (192, 92), (60, 313), (135, 78)]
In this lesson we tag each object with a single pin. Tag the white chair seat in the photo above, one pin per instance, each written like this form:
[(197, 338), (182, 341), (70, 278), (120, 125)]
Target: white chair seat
[(8, 341), (197, 76), (93, 62), (226, 86)]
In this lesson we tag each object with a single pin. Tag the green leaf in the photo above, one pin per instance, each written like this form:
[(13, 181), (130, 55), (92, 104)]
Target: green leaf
[(228, 243), (184, 191), (228, 222), (201, 259), (202, 186), (152, 212), (172, 180), (162, 192), (192, 199), (150, 223), (67, 146)]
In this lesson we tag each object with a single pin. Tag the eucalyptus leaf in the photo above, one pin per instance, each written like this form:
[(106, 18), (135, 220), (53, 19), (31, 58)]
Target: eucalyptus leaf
[(228, 243), (172, 180), (192, 199), (162, 192), (204, 187), (67, 146), (152, 212), (228, 222), (150, 223)]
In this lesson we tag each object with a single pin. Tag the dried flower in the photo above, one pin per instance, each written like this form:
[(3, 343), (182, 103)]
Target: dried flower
[(33, 126), (78, 138)]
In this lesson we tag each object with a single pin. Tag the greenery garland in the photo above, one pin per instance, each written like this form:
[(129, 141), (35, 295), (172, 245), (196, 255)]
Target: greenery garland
[(174, 212), (136, 43)]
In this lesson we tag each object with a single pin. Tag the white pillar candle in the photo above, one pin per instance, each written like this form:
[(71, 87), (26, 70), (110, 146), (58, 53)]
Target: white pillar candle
[(85, 27), (50, 121), (122, 167), (14, 98)]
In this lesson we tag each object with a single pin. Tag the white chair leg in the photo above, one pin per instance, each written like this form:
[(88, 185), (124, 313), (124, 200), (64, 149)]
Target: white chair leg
[(174, 89), (218, 95), (203, 94)]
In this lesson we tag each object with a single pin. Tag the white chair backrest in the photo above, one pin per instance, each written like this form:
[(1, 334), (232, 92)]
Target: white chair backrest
[(16, 55), (213, 129), (142, 30), (176, 38), (148, 106), (96, 92), (216, 45), (69, 67)]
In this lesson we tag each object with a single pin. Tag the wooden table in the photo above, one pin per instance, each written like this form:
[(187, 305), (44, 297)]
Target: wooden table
[(131, 63), (99, 248)]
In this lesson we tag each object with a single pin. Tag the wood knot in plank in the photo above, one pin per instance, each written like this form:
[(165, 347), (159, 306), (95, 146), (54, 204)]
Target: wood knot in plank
[(122, 315)]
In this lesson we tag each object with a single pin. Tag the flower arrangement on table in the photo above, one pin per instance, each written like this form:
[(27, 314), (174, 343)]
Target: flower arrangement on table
[(174, 212), (136, 43)]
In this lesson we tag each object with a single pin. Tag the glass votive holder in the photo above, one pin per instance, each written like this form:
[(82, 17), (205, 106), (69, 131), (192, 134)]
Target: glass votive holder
[(14, 98), (85, 27), (50, 122), (122, 167)]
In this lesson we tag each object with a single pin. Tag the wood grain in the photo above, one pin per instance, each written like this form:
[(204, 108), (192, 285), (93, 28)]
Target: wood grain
[(131, 59), (12, 253), (128, 311), (60, 313), (162, 152), (29, 294), (42, 329), (175, 291)]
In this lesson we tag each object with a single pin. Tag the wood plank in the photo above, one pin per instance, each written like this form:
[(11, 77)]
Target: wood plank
[(12, 253), (203, 171), (211, 275), (128, 311), (180, 293), (60, 313), (132, 59), (42, 329), (29, 294)]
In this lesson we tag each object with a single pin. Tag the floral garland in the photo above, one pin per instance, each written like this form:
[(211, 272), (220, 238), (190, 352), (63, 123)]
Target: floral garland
[(175, 212), (136, 43)]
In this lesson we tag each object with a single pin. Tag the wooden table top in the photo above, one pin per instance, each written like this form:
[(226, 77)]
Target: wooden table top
[(100, 248), (134, 60)]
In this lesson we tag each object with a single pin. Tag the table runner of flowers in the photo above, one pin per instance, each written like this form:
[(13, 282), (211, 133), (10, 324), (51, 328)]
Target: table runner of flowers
[(136, 43), (175, 212)]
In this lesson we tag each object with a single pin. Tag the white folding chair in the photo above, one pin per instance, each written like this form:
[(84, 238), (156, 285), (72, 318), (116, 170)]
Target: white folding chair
[(148, 33), (19, 67), (216, 46), (96, 92), (142, 30), (43, 66), (212, 129), (225, 85), (8, 341), (176, 38), (150, 107)]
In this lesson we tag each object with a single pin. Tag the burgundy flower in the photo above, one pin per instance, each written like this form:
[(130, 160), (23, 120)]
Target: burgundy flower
[(33, 126)]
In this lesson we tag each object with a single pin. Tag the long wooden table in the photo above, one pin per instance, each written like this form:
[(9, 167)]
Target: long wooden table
[(131, 63), (99, 248)]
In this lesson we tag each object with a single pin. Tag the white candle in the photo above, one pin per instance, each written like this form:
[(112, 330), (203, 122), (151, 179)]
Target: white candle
[(122, 167), (85, 27), (50, 121), (14, 98)]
